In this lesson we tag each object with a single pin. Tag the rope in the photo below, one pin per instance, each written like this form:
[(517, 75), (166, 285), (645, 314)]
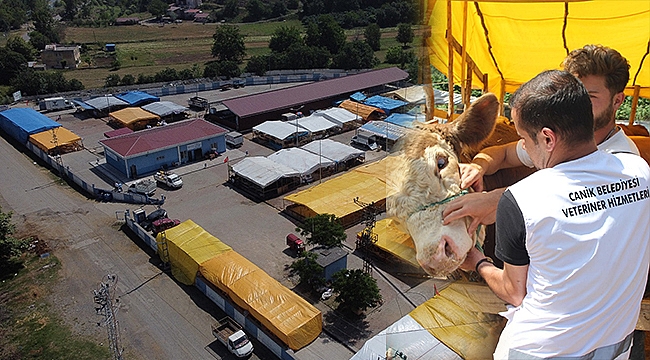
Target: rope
[(443, 201)]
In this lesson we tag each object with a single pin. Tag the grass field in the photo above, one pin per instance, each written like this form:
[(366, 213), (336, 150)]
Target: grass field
[(147, 49)]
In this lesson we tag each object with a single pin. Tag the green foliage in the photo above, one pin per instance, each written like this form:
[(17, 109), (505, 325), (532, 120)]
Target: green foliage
[(302, 57), (285, 37), (327, 33), (323, 229), (230, 9), (405, 34), (157, 8), (17, 44), (356, 290), (112, 80), (397, 55), (258, 65), (225, 69), (128, 79), (642, 109), (310, 273), (355, 55), (11, 64), (31, 82), (116, 64), (38, 40), (10, 247), (166, 74), (372, 34), (257, 10), (228, 44)]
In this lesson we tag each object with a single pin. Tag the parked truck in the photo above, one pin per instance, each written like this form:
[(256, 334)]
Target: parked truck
[(198, 102), (229, 333), (144, 187), (234, 139), (169, 179), (55, 103)]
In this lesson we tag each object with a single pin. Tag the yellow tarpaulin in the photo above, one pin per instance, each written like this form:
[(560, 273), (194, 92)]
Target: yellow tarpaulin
[(58, 137), (134, 118), (189, 245), (288, 316), (456, 317), (512, 41), (391, 239)]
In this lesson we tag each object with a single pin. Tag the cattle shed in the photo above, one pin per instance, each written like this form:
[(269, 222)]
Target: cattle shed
[(137, 98), (252, 110), (144, 152), (20, 123), (343, 156), (263, 178), (58, 140), (133, 118)]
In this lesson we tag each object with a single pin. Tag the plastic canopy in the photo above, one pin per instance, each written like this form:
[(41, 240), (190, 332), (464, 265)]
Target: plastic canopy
[(189, 245), (288, 316), (512, 41), (47, 141), (132, 115)]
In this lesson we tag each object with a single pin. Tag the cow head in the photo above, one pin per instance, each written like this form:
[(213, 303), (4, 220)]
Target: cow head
[(427, 175)]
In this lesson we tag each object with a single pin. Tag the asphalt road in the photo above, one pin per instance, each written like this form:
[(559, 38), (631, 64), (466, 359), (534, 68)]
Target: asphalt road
[(159, 317)]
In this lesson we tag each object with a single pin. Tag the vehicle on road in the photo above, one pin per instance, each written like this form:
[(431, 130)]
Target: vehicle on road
[(229, 333), (234, 139), (169, 179), (163, 224), (295, 243), (198, 102), (144, 187), (148, 221), (55, 103)]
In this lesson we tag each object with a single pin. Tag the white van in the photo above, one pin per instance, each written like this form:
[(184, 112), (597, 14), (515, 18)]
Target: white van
[(234, 139)]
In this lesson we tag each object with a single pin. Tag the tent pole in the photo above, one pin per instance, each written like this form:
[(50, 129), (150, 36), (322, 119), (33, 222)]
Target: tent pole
[(635, 102), (502, 95), (450, 63), (466, 75)]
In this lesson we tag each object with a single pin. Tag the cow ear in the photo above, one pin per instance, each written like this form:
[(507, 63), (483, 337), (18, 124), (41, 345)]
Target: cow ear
[(477, 123)]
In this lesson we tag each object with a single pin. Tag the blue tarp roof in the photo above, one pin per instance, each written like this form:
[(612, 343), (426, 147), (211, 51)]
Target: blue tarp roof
[(384, 103), (82, 104), (358, 96), (19, 123), (405, 120), (137, 98)]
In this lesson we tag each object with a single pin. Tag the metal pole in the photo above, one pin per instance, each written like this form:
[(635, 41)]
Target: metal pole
[(320, 161)]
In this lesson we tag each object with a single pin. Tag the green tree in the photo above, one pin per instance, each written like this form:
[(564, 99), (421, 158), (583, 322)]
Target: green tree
[(29, 82), (75, 85), (323, 229), (285, 37), (10, 247), (127, 79), (278, 8), (257, 10), (356, 54), (310, 273), (228, 44), (70, 9), (166, 74), (11, 64), (112, 80), (356, 290), (258, 64), (226, 69), (17, 44), (157, 8), (304, 57), (38, 40), (372, 34), (404, 34), (230, 9), (44, 23), (325, 32)]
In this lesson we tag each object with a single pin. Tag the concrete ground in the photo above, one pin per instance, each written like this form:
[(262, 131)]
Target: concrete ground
[(254, 229)]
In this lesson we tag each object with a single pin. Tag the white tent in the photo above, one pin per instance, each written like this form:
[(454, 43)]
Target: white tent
[(338, 115), (262, 171), (103, 103), (277, 129), (303, 161), (314, 124), (164, 108), (333, 150)]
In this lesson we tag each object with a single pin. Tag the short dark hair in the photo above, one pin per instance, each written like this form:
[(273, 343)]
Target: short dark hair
[(601, 61), (557, 100)]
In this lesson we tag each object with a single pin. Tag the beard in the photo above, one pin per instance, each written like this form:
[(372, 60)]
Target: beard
[(604, 118)]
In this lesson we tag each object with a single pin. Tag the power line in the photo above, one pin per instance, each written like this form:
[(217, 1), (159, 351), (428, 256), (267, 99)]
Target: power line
[(104, 298)]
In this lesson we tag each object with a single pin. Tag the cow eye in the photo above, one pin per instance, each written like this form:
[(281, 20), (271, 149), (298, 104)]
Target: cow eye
[(442, 162)]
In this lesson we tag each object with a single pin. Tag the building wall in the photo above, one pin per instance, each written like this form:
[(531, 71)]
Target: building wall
[(57, 57)]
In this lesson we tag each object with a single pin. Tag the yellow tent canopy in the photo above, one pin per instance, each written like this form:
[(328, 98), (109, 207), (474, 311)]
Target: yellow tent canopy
[(288, 316), (512, 41), (60, 137), (134, 118), (189, 245)]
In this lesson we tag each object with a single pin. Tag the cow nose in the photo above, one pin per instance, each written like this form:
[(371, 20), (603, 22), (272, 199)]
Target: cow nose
[(448, 247)]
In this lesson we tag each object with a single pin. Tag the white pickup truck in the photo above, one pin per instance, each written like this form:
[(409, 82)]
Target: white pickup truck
[(232, 336), (169, 179)]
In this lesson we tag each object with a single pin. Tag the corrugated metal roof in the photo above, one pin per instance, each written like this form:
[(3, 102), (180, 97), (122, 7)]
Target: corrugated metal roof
[(262, 171), (162, 137), (298, 95)]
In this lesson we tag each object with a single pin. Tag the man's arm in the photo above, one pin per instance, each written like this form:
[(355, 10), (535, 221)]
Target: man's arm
[(508, 284), (489, 161)]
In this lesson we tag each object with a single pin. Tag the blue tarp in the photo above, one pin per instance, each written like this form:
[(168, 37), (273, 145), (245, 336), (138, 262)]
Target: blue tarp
[(383, 129), (137, 98), (384, 103), (82, 104), (19, 123), (358, 96), (404, 120)]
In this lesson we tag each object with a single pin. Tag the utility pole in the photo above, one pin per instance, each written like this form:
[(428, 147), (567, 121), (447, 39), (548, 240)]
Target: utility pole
[(104, 298), (368, 237)]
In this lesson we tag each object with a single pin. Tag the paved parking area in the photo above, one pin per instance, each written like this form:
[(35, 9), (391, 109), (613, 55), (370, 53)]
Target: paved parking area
[(257, 229)]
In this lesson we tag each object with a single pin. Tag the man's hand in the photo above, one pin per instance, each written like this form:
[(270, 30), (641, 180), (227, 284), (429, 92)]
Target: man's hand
[(481, 207), (473, 257), (471, 175)]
